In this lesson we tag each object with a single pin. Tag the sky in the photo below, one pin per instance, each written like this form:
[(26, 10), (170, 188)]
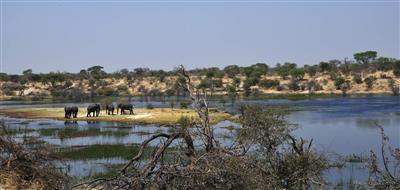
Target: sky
[(161, 34)]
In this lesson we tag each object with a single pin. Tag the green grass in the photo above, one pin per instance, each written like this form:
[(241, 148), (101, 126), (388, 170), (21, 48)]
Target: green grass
[(14, 130), (295, 96), (71, 132), (101, 151), (47, 131)]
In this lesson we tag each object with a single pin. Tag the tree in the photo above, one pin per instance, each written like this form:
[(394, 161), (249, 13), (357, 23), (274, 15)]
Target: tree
[(96, 72), (396, 68), (261, 67), (369, 81), (393, 87), (297, 74), (311, 70), (232, 70), (236, 82), (269, 83), (27, 72), (232, 92), (247, 71), (365, 57), (284, 70), (324, 66), (338, 82)]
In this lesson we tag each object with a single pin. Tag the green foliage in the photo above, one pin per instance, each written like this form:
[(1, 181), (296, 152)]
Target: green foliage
[(284, 70), (236, 81), (393, 87), (107, 91), (232, 70), (369, 81), (297, 74), (365, 57), (311, 70), (101, 151), (294, 85), (333, 75), (324, 66), (384, 64), (184, 105), (269, 83), (396, 69), (185, 121), (260, 68), (338, 82)]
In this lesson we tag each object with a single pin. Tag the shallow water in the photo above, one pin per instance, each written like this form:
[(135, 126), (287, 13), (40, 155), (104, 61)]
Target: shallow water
[(337, 125)]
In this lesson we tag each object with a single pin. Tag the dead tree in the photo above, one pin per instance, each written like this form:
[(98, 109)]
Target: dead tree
[(200, 105)]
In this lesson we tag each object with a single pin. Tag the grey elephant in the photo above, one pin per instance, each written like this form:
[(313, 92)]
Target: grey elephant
[(110, 109), (124, 107), (93, 108), (71, 111)]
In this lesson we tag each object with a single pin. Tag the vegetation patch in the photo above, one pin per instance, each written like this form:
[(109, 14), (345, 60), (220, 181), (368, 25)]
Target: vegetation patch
[(101, 151), (72, 132)]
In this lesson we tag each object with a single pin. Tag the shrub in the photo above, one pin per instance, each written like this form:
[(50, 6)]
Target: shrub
[(338, 82), (294, 85), (396, 69), (122, 88), (297, 73), (313, 86), (333, 75), (269, 83), (184, 121), (369, 81), (357, 79), (9, 88), (184, 105), (106, 91), (393, 87)]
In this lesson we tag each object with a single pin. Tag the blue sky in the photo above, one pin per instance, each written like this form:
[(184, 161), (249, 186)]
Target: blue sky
[(68, 36)]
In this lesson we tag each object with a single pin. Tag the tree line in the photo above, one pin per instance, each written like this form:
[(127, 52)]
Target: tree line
[(61, 84)]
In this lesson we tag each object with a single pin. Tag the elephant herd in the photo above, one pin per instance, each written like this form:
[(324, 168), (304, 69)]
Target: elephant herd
[(93, 110)]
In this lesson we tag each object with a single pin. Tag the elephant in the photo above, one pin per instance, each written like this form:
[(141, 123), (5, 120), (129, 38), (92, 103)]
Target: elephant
[(93, 108), (124, 107), (71, 111), (110, 109)]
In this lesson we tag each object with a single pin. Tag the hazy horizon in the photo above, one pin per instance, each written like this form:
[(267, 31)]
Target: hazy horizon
[(69, 36)]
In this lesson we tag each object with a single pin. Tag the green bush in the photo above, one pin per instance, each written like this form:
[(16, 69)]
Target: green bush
[(297, 73), (269, 83), (396, 69), (294, 85), (184, 105), (184, 121), (369, 81), (338, 82)]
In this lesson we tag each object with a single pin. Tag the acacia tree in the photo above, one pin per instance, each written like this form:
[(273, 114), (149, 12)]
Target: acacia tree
[(365, 57)]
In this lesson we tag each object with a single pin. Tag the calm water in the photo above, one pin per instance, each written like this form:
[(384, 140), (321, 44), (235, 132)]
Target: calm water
[(337, 125)]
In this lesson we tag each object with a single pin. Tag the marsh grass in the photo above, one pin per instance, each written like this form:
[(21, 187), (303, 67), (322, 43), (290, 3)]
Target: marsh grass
[(15, 130), (72, 132), (101, 151)]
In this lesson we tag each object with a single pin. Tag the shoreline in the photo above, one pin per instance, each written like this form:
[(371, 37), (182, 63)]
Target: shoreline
[(275, 95), (158, 116)]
